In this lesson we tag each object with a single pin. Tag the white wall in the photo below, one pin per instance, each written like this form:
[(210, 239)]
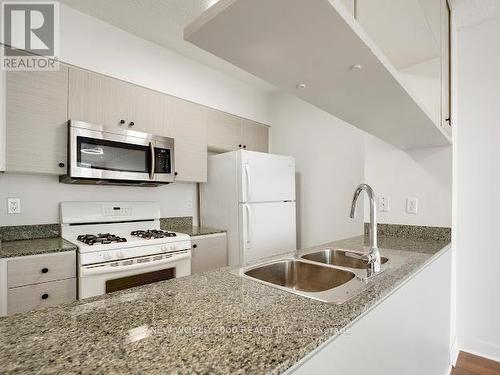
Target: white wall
[(424, 173), (2, 120), (95, 45), (98, 46), (477, 143), (40, 197), (329, 156)]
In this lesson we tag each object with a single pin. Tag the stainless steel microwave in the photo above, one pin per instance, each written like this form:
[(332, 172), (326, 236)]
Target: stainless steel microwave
[(103, 155)]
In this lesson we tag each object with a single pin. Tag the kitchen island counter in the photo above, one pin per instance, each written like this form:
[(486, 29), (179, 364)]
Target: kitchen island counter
[(214, 322)]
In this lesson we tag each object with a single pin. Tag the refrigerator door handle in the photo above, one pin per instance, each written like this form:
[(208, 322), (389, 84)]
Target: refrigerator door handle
[(248, 235), (249, 185)]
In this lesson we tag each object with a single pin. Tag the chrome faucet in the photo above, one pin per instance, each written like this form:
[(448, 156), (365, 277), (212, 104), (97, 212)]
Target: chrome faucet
[(373, 256)]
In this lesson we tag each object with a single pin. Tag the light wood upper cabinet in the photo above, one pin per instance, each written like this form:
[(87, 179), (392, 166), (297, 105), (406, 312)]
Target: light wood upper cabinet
[(225, 131), (98, 99), (255, 136), (188, 122), (228, 133), (107, 101), (39, 104), (36, 117)]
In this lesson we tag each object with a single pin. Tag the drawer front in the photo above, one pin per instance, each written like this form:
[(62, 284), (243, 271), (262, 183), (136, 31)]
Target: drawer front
[(32, 297), (41, 268)]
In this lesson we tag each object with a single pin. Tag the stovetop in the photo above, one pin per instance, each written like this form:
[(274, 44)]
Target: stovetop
[(101, 238), (152, 234), (108, 238), (119, 239)]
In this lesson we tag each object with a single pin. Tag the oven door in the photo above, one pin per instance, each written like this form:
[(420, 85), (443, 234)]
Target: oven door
[(97, 153), (98, 279)]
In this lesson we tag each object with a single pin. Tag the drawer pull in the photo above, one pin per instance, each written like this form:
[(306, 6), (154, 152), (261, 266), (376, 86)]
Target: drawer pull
[(45, 296), (45, 270), (195, 246)]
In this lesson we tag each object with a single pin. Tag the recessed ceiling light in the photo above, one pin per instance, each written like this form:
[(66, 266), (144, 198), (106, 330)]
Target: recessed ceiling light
[(356, 67), (301, 85)]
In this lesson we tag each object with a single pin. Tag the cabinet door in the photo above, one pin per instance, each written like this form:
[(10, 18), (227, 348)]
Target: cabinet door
[(189, 127), (149, 111), (255, 136), (36, 118), (224, 131), (98, 99), (106, 101), (208, 253)]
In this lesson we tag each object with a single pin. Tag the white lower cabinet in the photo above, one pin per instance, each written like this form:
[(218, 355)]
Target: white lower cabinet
[(37, 281), (208, 252), (30, 297)]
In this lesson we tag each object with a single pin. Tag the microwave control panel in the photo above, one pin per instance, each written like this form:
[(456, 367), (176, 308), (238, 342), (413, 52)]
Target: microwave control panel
[(162, 160)]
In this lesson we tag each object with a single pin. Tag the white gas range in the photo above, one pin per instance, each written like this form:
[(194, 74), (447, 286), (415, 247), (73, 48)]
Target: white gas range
[(120, 245)]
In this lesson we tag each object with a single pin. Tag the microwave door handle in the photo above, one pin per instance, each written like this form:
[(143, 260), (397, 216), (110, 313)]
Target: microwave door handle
[(152, 165)]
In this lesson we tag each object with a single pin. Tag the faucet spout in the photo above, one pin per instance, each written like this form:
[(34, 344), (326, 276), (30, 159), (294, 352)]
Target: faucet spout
[(373, 254)]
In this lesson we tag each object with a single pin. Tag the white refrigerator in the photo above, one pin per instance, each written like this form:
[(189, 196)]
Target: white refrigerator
[(252, 196)]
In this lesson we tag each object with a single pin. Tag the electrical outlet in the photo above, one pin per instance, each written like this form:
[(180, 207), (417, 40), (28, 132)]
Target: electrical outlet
[(383, 204), (13, 205), (412, 205)]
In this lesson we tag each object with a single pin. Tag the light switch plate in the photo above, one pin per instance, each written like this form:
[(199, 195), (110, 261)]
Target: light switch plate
[(412, 206), (13, 206), (383, 204)]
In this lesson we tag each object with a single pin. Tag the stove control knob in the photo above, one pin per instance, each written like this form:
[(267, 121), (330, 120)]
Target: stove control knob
[(172, 247), (106, 256), (119, 254)]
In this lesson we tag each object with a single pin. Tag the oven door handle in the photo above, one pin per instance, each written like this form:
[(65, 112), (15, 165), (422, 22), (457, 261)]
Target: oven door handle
[(153, 161), (107, 268)]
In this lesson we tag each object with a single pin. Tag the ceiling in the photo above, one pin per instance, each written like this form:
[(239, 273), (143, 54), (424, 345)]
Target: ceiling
[(162, 22), (418, 29)]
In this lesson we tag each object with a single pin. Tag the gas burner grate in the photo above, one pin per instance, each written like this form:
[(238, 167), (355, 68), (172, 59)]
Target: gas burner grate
[(101, 238), (152, 234)]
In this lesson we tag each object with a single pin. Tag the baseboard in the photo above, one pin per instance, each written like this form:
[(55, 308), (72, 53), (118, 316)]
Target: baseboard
[(479, 347), (454, 353)]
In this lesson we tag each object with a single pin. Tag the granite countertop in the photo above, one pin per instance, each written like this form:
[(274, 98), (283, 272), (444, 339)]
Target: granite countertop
[(19, 248), (194, 231), (185, 225), (214, 322)]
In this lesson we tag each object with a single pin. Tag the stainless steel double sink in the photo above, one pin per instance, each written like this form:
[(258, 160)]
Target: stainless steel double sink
[(329, 275)]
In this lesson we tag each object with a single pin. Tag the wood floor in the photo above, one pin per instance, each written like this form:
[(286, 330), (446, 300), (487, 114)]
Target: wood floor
[(469, 364)]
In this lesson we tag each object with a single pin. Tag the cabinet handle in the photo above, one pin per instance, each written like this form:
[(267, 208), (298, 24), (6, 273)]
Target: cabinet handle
[(131, 124), (195, 246), (239, 146), (175, 173), (122, 122), (45, 270), (61, 165), (45, 295), (244, 146)]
